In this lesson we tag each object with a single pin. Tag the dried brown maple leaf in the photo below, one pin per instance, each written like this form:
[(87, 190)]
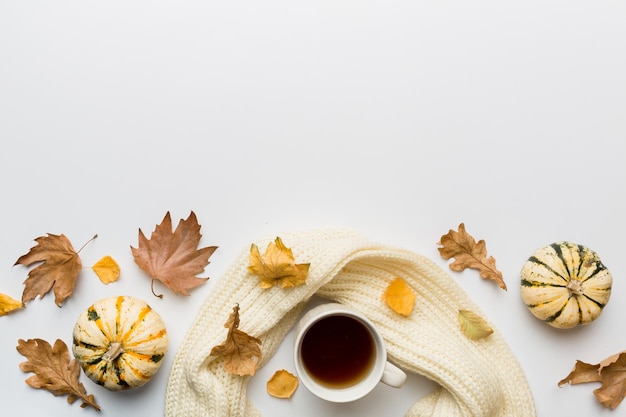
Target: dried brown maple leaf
[(611, 372), (469, 254), (240, 351), (277, 266), (58, 270), (53, 370), (173, 257)]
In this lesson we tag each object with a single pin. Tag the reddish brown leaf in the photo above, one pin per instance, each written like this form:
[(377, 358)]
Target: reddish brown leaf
[(53, 370), (173, 257), (469, 254), (59, 268)]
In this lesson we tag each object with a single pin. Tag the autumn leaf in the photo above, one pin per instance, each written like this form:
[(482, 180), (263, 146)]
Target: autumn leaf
[(399, 297), (53, 370), (58, 270), (9, 304), (277, 266), (173, 257), (611, 372), (473, 325), (282, 384), (240, 351), (107, 269), (469, 254)]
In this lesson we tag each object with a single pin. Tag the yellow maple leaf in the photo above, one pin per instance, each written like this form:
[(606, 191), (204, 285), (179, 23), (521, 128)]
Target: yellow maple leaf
[(277, 266), (399, 297), (9, 304), (107, 269), (282, 384)]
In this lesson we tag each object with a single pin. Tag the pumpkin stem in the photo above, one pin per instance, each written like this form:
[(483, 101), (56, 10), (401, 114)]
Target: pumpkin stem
[(115, 350), (575, 287)]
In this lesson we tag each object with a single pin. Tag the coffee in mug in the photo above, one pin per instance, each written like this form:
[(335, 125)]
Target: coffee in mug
[(339, 354)]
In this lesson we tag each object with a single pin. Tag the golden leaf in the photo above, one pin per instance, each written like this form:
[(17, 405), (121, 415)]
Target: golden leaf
[(282, 384), (399, 297), (469, 254), (473, 326), (610, 372), (107, 269), (58, 270), (173, 257), (240, 351), (277, 266), (53, 370), (9, 304)]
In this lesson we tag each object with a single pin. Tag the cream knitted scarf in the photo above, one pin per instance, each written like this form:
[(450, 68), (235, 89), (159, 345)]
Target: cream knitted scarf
[(477, 378)]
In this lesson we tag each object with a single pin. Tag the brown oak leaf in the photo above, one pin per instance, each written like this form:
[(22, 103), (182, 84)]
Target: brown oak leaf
[(240, 351), (53, 370), (59, 268), (611, 372), (277, 266), (469, 254), (173, 257)]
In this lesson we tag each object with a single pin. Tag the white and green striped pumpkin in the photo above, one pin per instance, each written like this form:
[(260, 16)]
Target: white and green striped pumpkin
[(120, 342), (565, 284)]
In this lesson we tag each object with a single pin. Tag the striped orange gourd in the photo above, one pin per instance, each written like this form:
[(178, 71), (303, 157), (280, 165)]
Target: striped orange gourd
[(120, 342)]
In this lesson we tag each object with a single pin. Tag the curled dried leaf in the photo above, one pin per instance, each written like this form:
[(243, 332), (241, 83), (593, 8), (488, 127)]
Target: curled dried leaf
[(53, 370), (610, 372), (107, 269), (469, 254), (399, 297), (282, 384), (240, 351), (473, 325), (9, 304), (277, 266)]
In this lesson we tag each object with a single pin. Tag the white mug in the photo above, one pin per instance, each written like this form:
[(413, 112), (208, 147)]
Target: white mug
[(339, 354)]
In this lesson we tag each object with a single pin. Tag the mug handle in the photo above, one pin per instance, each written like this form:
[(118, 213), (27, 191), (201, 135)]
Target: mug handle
[(393, 376)]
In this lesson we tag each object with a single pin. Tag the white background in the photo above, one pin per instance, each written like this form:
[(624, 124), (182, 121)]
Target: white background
[(400, 119)]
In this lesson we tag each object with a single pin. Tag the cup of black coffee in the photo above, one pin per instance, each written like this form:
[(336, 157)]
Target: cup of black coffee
[(339, 354)]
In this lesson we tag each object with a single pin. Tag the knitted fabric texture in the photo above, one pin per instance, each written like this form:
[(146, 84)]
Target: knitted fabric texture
[(477, 378)]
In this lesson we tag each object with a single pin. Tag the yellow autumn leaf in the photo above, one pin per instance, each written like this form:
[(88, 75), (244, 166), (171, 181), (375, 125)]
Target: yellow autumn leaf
[(9, 304), (277, 266), (399, 297), (282, 384), (107, 269), (473, 326)]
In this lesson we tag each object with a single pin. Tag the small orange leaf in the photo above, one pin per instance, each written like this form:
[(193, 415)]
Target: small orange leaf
[(107, 269), (9, 304), (277, 266), (282, 384), (399, 297), (241, 352)]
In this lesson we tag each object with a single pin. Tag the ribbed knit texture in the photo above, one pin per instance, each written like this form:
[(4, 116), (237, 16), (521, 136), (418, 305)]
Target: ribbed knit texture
[(477, 378)]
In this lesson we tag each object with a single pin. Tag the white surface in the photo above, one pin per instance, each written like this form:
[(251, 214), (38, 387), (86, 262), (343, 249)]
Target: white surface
[(400, 119)]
